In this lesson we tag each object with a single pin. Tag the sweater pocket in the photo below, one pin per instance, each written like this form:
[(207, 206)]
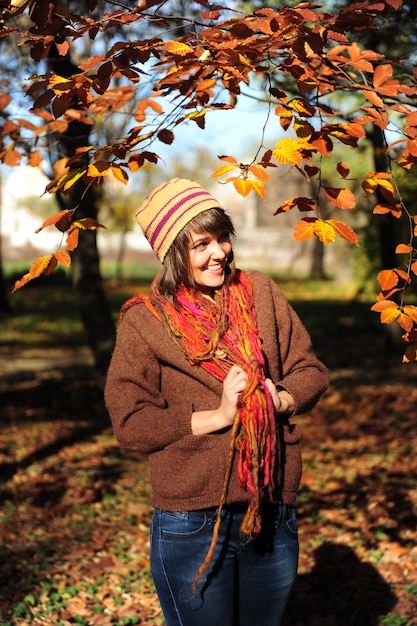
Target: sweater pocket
[(289, 463), (184, 470)]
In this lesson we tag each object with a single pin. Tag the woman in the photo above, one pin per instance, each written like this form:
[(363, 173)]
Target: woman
[(206, 373)]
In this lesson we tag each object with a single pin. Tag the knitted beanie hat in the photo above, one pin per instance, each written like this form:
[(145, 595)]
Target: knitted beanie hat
[(168, 208)]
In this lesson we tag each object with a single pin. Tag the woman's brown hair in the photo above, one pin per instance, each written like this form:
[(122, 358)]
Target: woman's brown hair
[(177, 267)]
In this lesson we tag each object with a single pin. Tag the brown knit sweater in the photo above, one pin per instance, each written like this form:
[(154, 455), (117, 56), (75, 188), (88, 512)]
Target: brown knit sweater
[(152, 391)]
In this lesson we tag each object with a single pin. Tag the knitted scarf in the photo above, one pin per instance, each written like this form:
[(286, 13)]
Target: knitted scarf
[(217, 337)]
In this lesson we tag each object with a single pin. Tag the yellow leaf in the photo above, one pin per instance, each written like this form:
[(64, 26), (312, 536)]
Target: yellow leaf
[(98, 168), (302, 106), (324, 231), (87, 223), (289, 151), (389, 310), (223, 169), (258, 187), (178, 48), (411, 311), (243, 187), (120, 174)]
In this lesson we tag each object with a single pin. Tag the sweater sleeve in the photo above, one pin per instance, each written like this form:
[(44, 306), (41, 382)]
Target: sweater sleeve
[(300, 372), (141, 417)]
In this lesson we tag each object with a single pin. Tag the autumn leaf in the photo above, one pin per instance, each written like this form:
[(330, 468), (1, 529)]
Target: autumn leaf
[(72, 238), (120, 174), (245, 185), (342, 198), (259, 172), (343, 169), (178, 48), (289, 151), (403, 248), (87, 223), (388, 279), (344, 231), (324, 231), (43, 265), (66, 181), (61, 220), (223, 169), (389, 310), (98, 169), (305, 229), (383, 209)]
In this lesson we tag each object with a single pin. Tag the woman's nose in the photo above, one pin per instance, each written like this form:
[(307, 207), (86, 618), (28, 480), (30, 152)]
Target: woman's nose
[(217, 250)]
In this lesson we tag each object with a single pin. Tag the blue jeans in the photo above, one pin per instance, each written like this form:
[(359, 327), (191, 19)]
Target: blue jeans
[(248, 581)]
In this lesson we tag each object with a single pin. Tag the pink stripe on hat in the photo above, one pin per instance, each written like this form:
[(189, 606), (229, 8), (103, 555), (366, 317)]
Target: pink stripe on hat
[(168, 208)]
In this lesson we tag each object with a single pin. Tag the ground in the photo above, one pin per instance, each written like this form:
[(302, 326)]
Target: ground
[(75, 509)]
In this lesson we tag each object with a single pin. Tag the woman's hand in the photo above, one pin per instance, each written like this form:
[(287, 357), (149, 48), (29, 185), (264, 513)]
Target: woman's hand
[(233, 385), (203, 422), (283, 401)]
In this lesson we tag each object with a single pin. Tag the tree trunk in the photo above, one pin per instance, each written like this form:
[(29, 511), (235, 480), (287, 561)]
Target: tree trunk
[(386, 222), (86, 274), (317, 261)]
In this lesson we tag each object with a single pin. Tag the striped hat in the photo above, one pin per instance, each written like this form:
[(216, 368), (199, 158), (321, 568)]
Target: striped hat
[(168, 208)]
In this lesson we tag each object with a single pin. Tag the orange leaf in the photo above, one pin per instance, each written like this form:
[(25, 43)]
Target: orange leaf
[(388, 279), (178, 48), (389, 310), (342, 198), (61, 220), (42, 265), (373, 98), (72, 238), (12, 157), (411, 311), (403, 248), (345, 231), (63, 257), (381, 75), (381, 209), (305, 228), (229, 159), (414, 267), (405, 321), (259, 172)]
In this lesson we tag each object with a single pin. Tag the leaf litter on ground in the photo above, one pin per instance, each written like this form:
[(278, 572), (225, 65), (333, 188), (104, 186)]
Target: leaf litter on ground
[(75, 509)]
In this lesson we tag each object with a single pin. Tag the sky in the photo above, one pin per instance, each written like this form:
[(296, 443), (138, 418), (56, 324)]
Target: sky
[(235, 132)]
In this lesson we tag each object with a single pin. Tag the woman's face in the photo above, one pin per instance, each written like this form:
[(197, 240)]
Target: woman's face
[(208, 259)]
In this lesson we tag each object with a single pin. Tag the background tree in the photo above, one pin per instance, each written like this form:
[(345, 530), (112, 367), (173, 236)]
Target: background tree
[(169, 81)]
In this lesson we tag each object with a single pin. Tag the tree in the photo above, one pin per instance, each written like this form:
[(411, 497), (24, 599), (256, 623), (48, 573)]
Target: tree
[(169, 81)]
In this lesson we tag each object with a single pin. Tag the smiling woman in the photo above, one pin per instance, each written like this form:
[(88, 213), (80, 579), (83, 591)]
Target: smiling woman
[(207, 371)]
